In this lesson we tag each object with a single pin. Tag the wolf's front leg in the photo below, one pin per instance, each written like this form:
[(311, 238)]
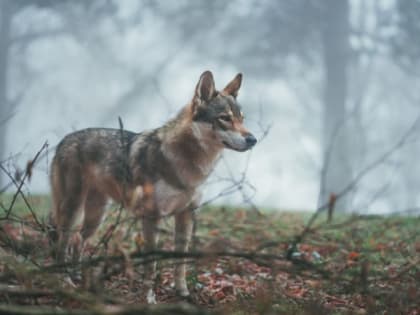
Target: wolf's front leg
[(151, 236), (183, 232)]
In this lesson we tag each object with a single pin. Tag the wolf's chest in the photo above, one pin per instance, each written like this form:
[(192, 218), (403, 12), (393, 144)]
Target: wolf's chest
[(169, 199)]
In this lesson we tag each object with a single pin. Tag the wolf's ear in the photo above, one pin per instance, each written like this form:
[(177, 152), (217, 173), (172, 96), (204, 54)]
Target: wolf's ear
[(233, 86), (205, 89)]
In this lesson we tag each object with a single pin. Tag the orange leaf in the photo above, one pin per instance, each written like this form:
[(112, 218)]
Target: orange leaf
[(214, 232), (313, 283), (353, 255), (220, 295), (296, 292), (138, 239)]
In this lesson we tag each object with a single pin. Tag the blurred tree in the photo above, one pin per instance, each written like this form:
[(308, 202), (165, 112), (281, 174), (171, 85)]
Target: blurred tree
[(405, 46), (332, 41), (266, 37), (405, 43), (6, 14), (11, 40), (336, 171), (8, 9), (336, 39)]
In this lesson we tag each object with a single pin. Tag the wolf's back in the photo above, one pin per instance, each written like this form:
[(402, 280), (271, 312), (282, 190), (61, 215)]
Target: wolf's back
[(106, 148), (94, 144)]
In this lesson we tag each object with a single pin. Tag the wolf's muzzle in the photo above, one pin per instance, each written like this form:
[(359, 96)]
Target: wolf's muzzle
[(250, 140)]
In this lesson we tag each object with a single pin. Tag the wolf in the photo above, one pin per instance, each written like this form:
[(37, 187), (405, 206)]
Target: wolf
[(154, 173)]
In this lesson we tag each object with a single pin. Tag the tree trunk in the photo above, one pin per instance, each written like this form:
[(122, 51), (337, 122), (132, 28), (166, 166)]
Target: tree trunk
[(336, 171), (5, 24)]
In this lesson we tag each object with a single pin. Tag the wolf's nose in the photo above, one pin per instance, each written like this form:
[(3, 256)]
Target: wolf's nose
[(250, 140)]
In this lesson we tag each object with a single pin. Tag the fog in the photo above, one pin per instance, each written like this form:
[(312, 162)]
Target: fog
[(332, 102)]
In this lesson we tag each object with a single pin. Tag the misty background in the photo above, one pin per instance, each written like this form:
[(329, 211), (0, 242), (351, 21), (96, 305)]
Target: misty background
[(331, 88)]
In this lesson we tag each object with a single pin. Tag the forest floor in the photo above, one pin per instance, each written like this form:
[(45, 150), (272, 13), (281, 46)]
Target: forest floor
[(238, 264)]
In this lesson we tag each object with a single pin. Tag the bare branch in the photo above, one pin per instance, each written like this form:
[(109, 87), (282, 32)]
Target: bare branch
[(26, 39), (374, 164), (19, 186)]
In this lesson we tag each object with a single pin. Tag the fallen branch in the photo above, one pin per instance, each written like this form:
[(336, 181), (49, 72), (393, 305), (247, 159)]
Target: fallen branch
[(161, 309)]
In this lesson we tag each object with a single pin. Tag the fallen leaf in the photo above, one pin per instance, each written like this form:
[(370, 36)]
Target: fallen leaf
[(214, 232), (353, 256), (297, 292)]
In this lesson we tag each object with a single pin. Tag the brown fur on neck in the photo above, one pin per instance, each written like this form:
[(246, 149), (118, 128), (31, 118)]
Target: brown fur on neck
[(193, 153)]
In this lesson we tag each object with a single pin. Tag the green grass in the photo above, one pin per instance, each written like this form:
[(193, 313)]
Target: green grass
[(39, 203)]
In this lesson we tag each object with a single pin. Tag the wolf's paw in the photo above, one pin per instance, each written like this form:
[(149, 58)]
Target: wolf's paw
[(76, 276), (182, 292), (151, 297), (184, 295), (67, 282), (181, 287)]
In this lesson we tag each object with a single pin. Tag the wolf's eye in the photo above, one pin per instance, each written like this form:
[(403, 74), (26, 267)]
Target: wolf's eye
[(225, 118)]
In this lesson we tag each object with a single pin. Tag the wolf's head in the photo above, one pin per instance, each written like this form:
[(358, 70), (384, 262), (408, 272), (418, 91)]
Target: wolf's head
[(218, 114)]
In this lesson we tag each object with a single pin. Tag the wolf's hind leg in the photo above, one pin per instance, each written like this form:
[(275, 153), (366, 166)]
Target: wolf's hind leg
[(183, 232), (151, 237), (94, 211), (67, 210), (94, 207)]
